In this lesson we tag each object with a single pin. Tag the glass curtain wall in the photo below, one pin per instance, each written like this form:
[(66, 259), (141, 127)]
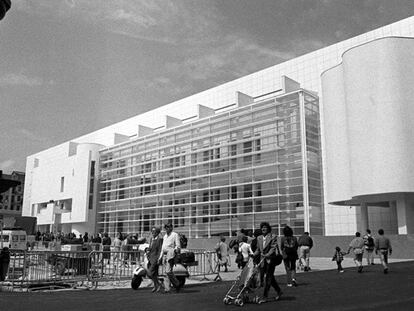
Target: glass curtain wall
[(220, 174)]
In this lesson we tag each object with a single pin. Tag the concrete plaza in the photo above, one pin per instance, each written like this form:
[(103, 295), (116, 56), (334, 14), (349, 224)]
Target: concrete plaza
[(317, 290)]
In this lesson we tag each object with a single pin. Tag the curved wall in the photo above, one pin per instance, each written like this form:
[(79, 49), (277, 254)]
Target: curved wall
[(368, 114), (336, 136)]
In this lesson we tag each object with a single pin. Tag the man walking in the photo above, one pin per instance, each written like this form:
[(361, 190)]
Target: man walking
[(369, 247), (153, 255), (305, 244), (170, 247), (383, 246)]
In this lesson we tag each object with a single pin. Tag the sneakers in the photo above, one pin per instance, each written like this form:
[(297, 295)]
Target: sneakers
[(279, 294), (156, 289), (360, 269), (385, 270), (341, 271), (294, 282), (289, 285)]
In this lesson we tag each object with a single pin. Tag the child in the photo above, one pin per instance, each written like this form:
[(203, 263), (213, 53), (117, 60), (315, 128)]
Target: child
[(339, 257), (245, 250)]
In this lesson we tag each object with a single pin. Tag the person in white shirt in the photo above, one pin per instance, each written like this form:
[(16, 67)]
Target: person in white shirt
[(170, 247), (117, 248), (245, 250)]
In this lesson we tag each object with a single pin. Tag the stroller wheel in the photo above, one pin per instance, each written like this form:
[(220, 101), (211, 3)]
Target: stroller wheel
[(226, 301), (239, 302)]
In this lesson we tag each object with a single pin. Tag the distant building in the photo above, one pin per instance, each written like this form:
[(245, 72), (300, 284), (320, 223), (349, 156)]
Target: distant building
[(61, 189), (12, 201), (198, 161)]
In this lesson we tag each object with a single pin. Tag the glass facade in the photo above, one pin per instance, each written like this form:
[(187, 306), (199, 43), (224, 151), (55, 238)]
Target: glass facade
[(214, 176)]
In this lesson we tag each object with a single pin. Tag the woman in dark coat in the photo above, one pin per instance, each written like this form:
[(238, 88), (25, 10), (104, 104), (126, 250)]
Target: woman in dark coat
[(106, 243), (289, 247)]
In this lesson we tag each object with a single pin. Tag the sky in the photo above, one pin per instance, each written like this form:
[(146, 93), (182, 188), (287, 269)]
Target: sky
[(69, 67)]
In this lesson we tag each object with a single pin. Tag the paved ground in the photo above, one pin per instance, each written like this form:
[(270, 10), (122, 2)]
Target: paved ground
[(317, 264), (317, 290)]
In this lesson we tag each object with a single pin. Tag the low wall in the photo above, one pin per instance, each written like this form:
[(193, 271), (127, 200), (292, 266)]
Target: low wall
[(324, 246)]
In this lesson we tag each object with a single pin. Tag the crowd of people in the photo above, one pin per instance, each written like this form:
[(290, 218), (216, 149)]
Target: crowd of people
[(368, 244), (99, 238), (71, 236), (267, 252), (262, 246)]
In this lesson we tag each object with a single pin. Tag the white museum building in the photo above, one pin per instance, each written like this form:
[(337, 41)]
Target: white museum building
[(322, 142)]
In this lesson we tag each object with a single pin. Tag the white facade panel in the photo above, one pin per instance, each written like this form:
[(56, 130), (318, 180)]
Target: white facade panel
[(369, 134)]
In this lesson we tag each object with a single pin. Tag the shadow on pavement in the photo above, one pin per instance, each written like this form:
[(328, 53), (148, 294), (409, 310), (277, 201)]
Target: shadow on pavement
[(317, 290)]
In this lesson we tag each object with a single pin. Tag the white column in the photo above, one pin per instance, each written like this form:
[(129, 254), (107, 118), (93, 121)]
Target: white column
[(364, 218), (304, 163), (401, 214), (393, 215)]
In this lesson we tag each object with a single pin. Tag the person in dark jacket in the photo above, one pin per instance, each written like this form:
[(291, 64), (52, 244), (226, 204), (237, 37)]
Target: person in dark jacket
[(106, 243), (153, 254), (4, 262), (267, 249), (86, 237), (305, 243), (289, 248)]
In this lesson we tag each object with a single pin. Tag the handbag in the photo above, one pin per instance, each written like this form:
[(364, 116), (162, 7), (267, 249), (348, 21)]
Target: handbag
[(239, 257), (278, 257)]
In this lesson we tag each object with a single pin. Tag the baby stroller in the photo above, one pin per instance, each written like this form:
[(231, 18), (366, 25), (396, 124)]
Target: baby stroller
[(245, 285)]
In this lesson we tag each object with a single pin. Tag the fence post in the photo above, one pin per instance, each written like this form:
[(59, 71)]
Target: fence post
[(204, 267)]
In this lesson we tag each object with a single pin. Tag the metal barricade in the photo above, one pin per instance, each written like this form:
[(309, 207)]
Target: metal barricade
[(47, 269), (32, 270), (112, 266), (115, 266)]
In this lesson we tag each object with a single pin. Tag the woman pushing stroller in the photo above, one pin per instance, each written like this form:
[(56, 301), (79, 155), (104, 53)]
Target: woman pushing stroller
[(268, 250)]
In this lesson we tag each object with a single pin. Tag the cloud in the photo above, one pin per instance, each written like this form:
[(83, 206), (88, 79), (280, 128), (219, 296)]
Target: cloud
[(30, 135), (131, 17), (19, 79), (230, 58), (155, 20), (7, 165)]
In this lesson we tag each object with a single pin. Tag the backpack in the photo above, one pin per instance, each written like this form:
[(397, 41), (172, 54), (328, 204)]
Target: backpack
[(370, 242), (183, 240), (233, 243), (289, 246)]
